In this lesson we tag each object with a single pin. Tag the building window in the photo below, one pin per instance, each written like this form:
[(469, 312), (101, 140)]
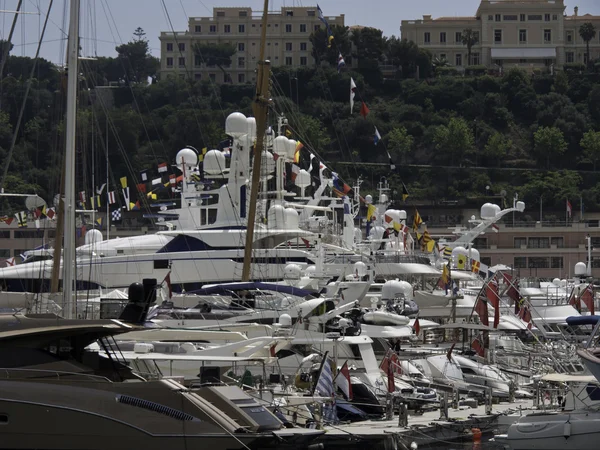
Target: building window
[(443, 56), (522, 36), (241, 28), (490, 17), (303, 61), (303, 46), (241, 62), (5, 253), (241, 47), (554, 16), (169, 46), (538, 262), (522, 61), (476, 59), (458, 37), (181, 61), (181, 47), (480, 243), (169, 62), (520, 262), (243, 14), (443, 37), (458, 59), (522, 17), (509, 17), (311, 13), (197, 61), (585, 60), (317, 27), (556, 262), (198, 29), (476, 36), (498, 36), (302, 28), (288, 27), (288, 46), (569, 36), (547, 36), (220, 13), (288, 60), (427, 37), (498, 18), (547, 17), (213, 29), (520, 242), (570, 57), (539, 242), (227, 78), (227, 29), (534, 17), (197, 76), (212, 76), (241, 78), (487, 260), (289, 13)]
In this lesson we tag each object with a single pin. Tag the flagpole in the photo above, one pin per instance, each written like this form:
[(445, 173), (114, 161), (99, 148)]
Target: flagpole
[(107, 186)]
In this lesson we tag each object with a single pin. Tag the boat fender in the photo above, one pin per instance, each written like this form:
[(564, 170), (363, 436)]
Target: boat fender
[(567, 430), (358, 328)]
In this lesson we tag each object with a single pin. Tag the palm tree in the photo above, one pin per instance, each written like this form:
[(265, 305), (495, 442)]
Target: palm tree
[(469, 38), (587, 31)]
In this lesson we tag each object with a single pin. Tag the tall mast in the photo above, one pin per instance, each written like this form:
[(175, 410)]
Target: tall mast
[(260, 109), (70, 304)]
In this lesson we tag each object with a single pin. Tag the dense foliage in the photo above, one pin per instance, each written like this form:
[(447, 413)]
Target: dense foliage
[(451, 135)]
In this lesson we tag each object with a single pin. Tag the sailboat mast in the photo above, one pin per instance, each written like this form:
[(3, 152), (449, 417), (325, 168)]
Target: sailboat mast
[(69, 304), (260, 109)]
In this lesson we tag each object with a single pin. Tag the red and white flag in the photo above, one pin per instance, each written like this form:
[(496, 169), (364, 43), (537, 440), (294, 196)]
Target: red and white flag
[(496, 228), (162, 167), (111, 198), (342, 380), (569, 208)]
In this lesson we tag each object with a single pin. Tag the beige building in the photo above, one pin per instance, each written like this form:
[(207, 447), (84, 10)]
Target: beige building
[(287, 44), (523, 33)]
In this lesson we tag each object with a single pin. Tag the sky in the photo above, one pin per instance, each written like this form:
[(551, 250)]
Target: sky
[(108, 23)]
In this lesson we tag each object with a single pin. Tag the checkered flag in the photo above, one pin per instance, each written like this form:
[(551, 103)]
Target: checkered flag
[(116, 215)]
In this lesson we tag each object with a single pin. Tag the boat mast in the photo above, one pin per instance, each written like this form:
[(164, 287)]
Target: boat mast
[(260, 109), (69, 304)]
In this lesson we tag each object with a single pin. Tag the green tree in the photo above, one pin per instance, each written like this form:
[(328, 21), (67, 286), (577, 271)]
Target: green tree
[(454, 141), (135, 58), (369, 44), (561, 83), (322, 50), (587, 31), (497, 147), (139, 33), (548, 142), (400, 142), (408, 56), (469, 38), (216, 54), (591, 146)]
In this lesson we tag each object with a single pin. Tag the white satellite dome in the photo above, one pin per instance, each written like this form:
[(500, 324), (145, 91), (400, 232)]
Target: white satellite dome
[(292, 272), (280, 144), (291, 149), (360, 268), (394, 288), (383, 199), (291, 219), (376, 232), (475, 256), (214, 162), (236, 125), (267, 163), (285, 320), (251, 130), (556, 281), (368, 199), (186, 157), (93, 237), (302, 179), (310, 270), (489, 210), (276, 217), (459, 251), (394, 214), (521, 206), (580, 269)]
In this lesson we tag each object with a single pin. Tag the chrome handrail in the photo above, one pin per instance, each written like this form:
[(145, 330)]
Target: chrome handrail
[(58, 373)]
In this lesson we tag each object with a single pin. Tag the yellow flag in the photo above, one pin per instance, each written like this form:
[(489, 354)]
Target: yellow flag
[(397, 226), (430, 246), (123, 182), (461, 261), (371, 210)]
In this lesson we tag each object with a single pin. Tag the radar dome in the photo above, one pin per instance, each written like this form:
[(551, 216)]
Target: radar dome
[(280, 145), (459, 251), (186, 157), (489, 210), (291, 218), (285, 320), (360, 268), (394, 289), (276, 217), (302, 179), (310, 270), (521, 206), (475, 254), (556, 281), (368, 199), (214, 162), (251, 131), (291, 149), (267, 163), (383, 199), (292, 272), (580, 269), (393, 214), (236, 125), (93, 237)]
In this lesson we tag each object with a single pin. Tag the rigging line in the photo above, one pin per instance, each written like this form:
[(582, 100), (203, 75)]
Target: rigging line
[(61, 29), (23, 103), (6, 50)]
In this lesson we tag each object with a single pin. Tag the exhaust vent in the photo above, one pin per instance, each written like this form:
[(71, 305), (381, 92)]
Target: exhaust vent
[(156, 407)]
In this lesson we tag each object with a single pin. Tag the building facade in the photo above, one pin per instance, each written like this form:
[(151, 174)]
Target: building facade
[(288, 42), (511, 33)]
